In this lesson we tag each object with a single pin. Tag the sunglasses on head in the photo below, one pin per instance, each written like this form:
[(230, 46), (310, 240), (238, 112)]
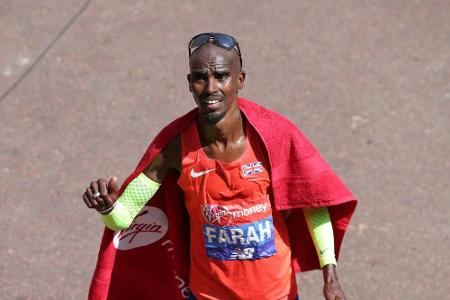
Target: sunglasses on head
[(220, 39)]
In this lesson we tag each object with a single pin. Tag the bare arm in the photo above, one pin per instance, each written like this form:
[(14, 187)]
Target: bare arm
[(169, 158)]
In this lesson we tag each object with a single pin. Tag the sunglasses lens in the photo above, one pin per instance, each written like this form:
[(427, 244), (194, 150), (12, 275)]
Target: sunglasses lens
[(224, 41), (219, 39), (199, 40)]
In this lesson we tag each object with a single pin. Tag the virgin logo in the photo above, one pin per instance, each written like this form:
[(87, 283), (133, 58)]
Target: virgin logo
[(149, 226), (217, 215)]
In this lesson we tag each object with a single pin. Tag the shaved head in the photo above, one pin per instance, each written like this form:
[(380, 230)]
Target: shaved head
[(210, 53)]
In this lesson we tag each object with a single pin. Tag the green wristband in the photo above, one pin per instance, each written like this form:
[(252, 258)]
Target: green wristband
[(134, 197), (119, 218), (319, 224)]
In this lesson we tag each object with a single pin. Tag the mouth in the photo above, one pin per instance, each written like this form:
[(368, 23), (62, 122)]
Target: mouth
[(212, 103)]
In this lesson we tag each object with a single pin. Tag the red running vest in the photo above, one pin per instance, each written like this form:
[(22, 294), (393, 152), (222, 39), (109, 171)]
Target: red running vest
[(239, 246)]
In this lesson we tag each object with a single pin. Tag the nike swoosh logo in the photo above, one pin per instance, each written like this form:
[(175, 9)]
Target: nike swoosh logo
[(323, 251), (198, 174)]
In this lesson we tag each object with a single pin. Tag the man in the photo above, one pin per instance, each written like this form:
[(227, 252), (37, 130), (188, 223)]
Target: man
[(251, 184)]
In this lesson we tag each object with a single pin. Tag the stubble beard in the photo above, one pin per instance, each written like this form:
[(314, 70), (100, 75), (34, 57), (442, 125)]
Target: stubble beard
[(214, 118)]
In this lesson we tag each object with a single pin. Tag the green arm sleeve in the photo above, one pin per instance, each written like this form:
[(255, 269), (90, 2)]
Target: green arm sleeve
[(319, 224), (132, 200)]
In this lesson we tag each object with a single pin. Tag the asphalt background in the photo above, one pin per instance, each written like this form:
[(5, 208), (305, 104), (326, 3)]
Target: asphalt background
[(85, 86)]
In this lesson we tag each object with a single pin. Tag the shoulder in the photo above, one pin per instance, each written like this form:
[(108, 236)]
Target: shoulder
[(164, 148), (266, 119), (173, 150)]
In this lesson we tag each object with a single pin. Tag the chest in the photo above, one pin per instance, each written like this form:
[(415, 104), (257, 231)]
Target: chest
[(227, 154), (209, 178)]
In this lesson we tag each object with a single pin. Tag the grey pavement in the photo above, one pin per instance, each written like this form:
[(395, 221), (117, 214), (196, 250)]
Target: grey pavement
[(367, 81)]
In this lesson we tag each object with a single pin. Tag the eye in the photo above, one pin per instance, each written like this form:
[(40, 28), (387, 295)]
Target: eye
[(221, 76), (198, 77)]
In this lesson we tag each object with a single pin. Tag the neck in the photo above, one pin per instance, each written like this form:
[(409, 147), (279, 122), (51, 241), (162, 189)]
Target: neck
[(229, 129)]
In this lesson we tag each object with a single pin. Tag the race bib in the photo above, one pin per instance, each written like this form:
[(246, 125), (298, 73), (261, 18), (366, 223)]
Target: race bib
[(240, 242)]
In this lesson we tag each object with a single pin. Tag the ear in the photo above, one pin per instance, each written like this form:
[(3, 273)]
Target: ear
[(188, 77), (241, 79)]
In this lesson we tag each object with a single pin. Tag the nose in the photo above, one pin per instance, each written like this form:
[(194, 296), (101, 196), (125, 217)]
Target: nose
[(211, 85)]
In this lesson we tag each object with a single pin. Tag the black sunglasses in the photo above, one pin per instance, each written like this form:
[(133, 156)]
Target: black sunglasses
[(220, 39)]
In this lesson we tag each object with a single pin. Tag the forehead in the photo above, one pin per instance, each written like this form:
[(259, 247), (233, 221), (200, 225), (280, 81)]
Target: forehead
[(210, 55)]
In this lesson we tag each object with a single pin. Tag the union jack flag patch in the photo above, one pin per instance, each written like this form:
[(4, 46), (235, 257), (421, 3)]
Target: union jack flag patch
[(252, 168)]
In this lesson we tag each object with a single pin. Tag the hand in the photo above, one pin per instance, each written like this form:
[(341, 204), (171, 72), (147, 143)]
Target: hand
[(109, 192), (332, 289)]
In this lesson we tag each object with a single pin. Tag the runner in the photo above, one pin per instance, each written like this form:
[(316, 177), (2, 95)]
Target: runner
[(260, 201)]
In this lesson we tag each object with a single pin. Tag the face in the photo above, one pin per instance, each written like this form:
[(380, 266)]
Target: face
[(214, 80)]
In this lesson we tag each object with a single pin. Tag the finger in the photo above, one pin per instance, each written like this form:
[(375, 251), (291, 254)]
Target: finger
[(86, 201), (89, 195), (96, 199), (103, 193), (329, 296), (102, 188), (112, 185), (100, 202), (94, 187), (112, 191), (94, 203), (108, 201), (92, 199)]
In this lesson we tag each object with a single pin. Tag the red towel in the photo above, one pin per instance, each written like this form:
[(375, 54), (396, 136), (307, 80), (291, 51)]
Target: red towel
[(153, 257)]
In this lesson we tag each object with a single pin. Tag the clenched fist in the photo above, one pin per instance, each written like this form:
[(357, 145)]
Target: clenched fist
[(101, 194)]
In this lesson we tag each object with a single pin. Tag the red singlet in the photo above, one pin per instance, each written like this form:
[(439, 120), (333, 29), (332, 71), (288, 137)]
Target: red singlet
[(239, 247)]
